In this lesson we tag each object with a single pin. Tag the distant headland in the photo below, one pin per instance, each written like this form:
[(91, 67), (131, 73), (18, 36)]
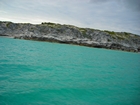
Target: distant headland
[(70, 34)]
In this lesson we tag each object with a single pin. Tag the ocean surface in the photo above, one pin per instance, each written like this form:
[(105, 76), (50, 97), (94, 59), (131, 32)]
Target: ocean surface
[(42, 73)]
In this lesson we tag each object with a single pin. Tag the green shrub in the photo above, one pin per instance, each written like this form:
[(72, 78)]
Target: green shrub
[(110, 32), (8, 24)]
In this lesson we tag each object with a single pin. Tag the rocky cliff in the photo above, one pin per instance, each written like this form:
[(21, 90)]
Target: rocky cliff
[(53, 32)]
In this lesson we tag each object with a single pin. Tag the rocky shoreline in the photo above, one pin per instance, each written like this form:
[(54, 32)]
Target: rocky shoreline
[(69, 34)]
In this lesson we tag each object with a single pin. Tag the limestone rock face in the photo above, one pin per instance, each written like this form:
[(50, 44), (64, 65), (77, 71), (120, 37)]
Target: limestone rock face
[(72, 35)]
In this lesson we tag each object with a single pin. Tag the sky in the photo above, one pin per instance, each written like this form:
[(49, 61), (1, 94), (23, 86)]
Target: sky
[(113, 15)]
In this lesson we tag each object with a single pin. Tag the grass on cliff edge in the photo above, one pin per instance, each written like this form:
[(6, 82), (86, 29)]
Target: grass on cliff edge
[(119, 35), (52, 25)]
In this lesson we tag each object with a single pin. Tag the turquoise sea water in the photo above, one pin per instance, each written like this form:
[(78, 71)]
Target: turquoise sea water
[(42, 73)]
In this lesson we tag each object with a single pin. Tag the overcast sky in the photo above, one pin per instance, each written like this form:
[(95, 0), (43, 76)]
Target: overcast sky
[(114, 15)]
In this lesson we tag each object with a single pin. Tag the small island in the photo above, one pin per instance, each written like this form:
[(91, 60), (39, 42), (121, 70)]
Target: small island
[(69, 34)]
